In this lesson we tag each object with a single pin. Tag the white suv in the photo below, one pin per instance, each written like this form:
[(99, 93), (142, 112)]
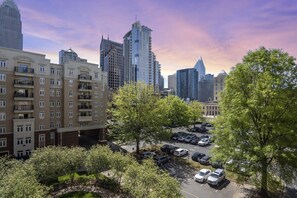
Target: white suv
[(216, 177), (180, 152)]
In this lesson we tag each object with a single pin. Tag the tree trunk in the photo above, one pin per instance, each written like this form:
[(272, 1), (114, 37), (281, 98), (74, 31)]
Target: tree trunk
[(137, 146), (264, 178)]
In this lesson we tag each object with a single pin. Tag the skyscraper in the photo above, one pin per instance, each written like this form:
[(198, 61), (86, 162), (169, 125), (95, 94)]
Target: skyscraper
[(111, 61), (138, 56), (219, 83), (187, 84), (199, 66), (206, 87), (10, 26), (69, 55), (172, 82)]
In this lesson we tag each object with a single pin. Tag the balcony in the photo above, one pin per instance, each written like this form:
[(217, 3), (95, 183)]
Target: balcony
[(84, 87), (23, 71), (23, 117), (23, 96), (84, 97), (85, 107), (23, 108), (84, 78), (23, 83), (85, 118)]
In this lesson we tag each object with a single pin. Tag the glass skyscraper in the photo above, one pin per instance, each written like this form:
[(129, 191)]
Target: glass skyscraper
[(10, 26), (187, 84)]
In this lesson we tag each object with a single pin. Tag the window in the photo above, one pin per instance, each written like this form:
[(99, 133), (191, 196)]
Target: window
[(20, 153), (41, 137), (28, 152), (41, 103), (70, 103), (59, 82), (70, 114), (58, 93), (42, 68), (3, 142), (52, 135), (70, 93), (52, 114), (96, 75), (41, 115), (41, 127), (70, 82), (52, 125), (2, 63), (28, 128), (52, 92), (19, 141), (2, 129), (59, 72), (58, 124), (41, 92), (52, 103), (2, 90), (2, 77), (58, 114), (2, 103), (19, 128), (52, 82), (71, 72), (28, 140), (58, 103), (52, 71), (2, 116), (42, 81), (70, 124)]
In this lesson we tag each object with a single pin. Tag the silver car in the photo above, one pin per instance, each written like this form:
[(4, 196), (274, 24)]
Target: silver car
[(202, 175)]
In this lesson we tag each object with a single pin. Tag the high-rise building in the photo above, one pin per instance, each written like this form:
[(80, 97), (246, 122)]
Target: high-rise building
[(172, 82), (219, 83), (10, 26), (138, 56), (206, 87), (111, 61), (187, 84), (43, 104), (161, 84), (69, 55), (199, 66)]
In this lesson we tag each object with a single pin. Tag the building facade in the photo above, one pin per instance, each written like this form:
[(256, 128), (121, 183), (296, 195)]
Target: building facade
[(10, 26), (219, 83), (200, 67), (48, 104), (172, 82), (111, 61), (211, 109), (206, 88), (187, 84)]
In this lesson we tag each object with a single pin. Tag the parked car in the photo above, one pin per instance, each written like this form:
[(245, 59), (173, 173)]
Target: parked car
[(195, 140), (217, 164), (205, 160), (202, 175), (209, 125), (164, 148), (160, 160), (189, 138), (203, 124), (197, 156), (174, 136), (216, 177), (205, 136), (170, 149), (203, 142), (147, 154), (180, 152)]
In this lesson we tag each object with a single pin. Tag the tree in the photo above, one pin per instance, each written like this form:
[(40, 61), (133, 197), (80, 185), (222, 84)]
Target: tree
[(119, 164), (147, 181), (258, 106), (17, 179), (175, 111), (98, 160), (196, 113), (137, 114)]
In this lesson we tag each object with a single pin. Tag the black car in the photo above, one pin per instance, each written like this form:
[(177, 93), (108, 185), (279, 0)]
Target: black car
[(197, 156), (170, 149), (205, 160), (174, 136), (160, 160), (217, 164), (195, 141), (164, 148)]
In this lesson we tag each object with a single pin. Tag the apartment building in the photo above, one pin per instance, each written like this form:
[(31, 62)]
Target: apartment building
[(43, 104)]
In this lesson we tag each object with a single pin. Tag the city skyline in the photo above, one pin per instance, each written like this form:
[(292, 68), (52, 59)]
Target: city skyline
[(220, 34)]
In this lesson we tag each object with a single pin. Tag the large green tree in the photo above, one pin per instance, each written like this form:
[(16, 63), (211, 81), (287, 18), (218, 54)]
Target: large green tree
[(136, 114), (258, 122), (196, 112)]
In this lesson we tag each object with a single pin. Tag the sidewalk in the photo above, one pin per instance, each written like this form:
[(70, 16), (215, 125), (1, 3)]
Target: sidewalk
[(244, 191)]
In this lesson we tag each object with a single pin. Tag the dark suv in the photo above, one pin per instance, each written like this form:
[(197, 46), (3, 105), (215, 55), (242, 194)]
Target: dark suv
[(197, 156), (160, 160)]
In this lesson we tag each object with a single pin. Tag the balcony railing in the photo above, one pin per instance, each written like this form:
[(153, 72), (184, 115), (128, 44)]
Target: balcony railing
[(24, 82), (23, 117), (24, 70), (23, 107), (84, 107), (84, 77), (85, 97), (23, 95), (84, 87)]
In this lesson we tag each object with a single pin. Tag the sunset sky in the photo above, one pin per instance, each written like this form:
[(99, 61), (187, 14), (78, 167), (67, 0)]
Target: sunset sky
[(221, 31)]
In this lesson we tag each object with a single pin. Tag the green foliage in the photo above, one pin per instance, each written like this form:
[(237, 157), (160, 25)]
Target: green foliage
[(259, 118), (80, 194), (147, 181), (196, 113), (18, 180), (119, 164), (98, 160), (175, 111), (137, 115)]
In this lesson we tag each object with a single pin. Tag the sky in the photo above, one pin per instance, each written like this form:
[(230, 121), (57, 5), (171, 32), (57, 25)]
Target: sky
[(220, 31)]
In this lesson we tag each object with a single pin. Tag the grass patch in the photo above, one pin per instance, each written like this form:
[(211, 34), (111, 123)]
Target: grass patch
[(80, 194)]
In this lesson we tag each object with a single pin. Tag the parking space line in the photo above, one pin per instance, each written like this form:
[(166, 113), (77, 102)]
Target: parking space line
[(190, 194)]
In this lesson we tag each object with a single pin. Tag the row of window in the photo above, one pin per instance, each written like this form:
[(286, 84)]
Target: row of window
[(3, 142), (23, 141), (22, 128)]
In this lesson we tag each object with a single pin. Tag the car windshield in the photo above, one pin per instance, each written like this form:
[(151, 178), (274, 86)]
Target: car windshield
[(201, 173), (214, 175)]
